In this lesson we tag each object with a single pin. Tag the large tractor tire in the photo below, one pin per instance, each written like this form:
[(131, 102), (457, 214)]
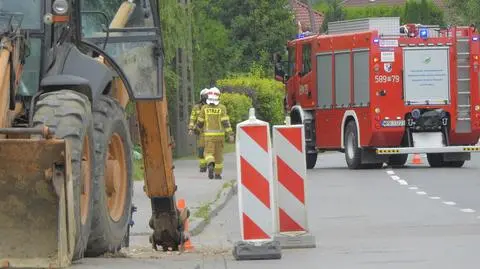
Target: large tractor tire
[(113, 178), (353, 154), (69, 114)]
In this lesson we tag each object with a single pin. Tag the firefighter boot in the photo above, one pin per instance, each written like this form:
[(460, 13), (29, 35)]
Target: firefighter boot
[(217, 176), (211, 167), (201, 160), (203, 166)]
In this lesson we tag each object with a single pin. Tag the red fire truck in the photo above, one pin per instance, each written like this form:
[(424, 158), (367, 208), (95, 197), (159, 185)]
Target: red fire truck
[(378, 96)]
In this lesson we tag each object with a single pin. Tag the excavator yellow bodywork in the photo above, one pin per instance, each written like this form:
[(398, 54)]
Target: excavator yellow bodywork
[(36, 190), (65, 152), (36, 197)]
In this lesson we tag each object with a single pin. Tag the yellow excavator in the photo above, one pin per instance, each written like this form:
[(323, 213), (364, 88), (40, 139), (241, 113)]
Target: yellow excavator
[(69, 68)]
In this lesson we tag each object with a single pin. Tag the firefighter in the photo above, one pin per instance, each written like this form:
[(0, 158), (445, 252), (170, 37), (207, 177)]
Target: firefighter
[(198, 132), (214, 121)]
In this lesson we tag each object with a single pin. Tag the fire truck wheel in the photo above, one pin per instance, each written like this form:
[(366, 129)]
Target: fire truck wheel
[(353, 154), (311, 160), (397, 160), (455, 164), (435, 160), (372, 165)]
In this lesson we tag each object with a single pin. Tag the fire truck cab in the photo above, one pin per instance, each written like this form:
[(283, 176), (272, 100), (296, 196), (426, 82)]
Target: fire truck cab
[(378, 91)]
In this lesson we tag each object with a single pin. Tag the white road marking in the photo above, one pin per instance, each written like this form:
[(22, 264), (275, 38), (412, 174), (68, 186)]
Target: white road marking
[(450, 203), (467, 210)]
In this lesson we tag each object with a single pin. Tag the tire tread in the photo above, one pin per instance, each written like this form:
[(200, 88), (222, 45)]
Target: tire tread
[(68, 113)]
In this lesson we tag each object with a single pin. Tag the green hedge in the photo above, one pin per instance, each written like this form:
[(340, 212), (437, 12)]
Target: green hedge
[(266, 95), (237, 107)]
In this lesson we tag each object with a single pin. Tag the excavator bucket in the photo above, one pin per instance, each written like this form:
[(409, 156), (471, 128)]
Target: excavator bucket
[(37, 228)]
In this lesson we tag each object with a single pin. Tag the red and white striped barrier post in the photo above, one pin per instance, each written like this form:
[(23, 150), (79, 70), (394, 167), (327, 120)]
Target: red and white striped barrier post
[(290, 184), (255, 192)]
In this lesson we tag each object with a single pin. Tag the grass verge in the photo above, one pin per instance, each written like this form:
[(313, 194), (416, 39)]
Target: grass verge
[(204, 210)]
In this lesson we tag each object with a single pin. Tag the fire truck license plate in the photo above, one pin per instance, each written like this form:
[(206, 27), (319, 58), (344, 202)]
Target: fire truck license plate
[(393, 123)]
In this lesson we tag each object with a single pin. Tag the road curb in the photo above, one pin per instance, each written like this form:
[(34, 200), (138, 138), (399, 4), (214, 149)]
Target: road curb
[(197, 225)]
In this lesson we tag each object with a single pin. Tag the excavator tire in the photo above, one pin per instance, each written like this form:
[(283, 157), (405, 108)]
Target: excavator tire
[(69, 114), (113, 189)]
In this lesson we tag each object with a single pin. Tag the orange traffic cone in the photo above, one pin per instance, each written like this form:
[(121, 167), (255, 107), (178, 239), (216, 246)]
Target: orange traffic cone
[(417, 159), (182, 205)]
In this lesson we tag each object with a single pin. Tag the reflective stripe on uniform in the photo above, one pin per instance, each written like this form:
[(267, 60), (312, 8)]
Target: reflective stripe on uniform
[(209, 159), (215, 134), (194, 115)]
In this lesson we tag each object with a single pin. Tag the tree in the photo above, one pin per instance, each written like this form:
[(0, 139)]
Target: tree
[(335, 12), (258, 28), (211, 50), (424, 12), (352, 13), (465, 11), (232, 35)]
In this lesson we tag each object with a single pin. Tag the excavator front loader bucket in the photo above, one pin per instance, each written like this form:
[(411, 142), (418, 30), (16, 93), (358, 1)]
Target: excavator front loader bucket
[(37, 228)]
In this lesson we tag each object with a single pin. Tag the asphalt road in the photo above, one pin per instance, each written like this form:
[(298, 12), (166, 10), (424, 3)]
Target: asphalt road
[(414, 217)]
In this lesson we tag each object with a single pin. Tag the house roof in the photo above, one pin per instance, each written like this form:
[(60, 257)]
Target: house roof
[(302, 15), (362, 3)]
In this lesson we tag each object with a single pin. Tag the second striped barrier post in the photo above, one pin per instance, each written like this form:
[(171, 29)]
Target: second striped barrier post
[(290, 184)]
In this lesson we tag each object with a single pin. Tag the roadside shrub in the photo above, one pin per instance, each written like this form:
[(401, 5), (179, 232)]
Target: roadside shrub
[(237, 107), (266, 95)]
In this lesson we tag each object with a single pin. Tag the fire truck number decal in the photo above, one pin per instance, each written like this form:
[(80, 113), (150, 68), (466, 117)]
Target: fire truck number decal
[(387, 79)]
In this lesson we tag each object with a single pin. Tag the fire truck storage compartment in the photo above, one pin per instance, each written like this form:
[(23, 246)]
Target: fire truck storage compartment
[(426, 75), (384, 26), (343, 77), (324, 80), (361, 77)]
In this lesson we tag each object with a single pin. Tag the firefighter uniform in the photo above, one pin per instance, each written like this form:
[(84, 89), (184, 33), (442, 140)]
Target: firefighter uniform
[(215, 122), (192, 127)]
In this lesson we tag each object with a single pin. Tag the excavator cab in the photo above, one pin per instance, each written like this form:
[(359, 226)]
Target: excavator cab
[(68, 72)]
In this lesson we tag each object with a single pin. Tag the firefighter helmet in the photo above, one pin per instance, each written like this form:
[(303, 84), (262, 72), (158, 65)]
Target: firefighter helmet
[(203, 96), (204, 91), (213, 96)]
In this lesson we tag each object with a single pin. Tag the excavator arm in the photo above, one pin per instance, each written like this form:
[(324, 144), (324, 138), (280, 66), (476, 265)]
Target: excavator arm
[(167, 222)]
